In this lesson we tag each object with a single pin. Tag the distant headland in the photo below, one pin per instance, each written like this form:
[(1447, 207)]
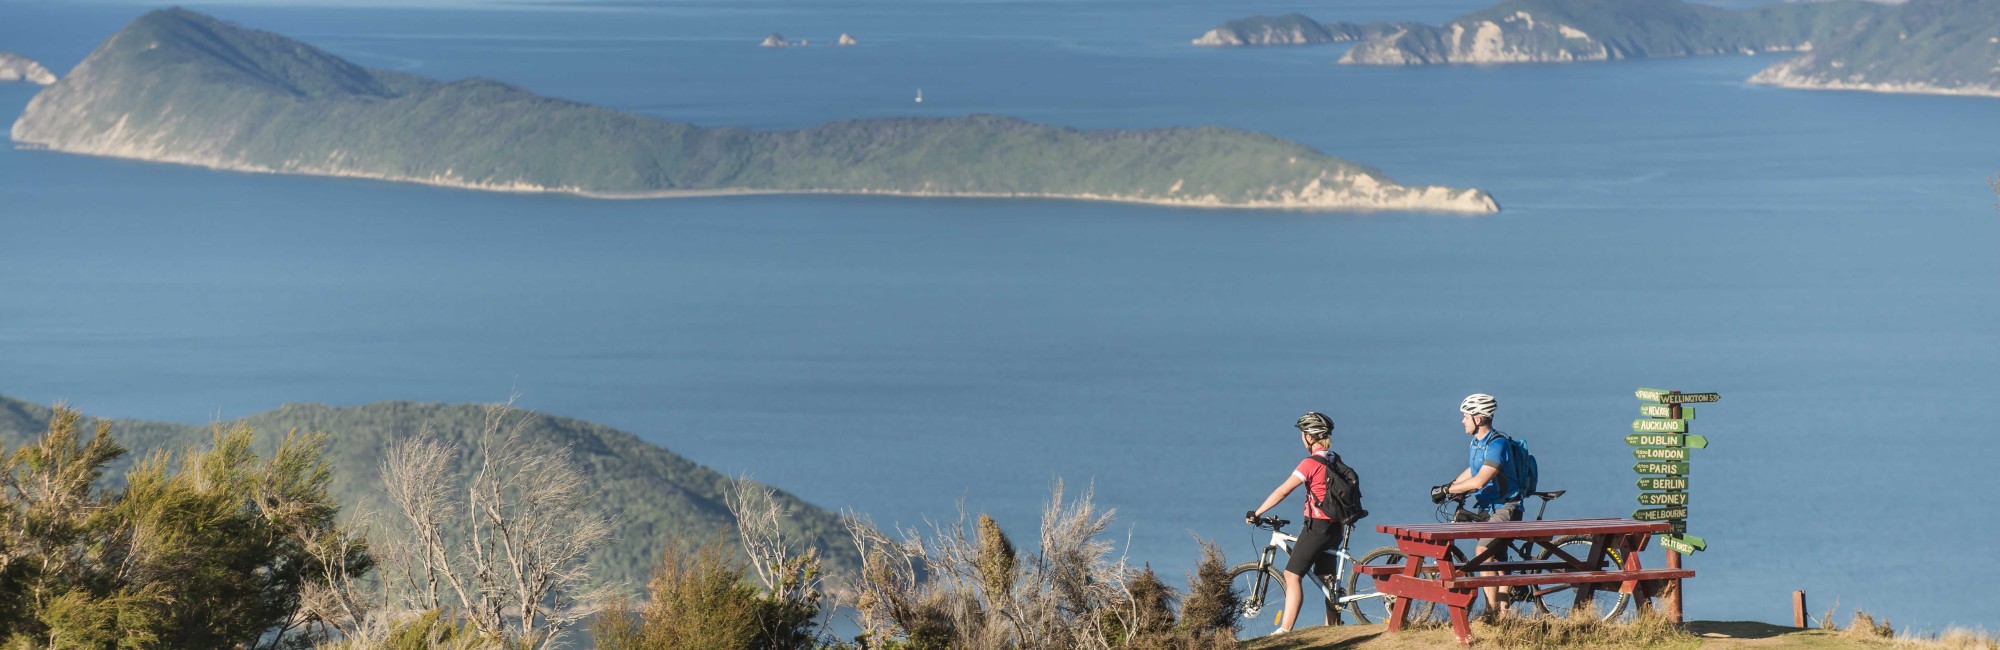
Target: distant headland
[(1939, 47), (181, 87), (1554, 31)]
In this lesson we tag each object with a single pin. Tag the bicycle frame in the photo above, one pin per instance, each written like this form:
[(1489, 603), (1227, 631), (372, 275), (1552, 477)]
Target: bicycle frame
[(1329, 592)]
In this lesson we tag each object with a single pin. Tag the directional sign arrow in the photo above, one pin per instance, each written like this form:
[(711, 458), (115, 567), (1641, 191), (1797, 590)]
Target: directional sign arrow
[(1660, 514), (1688, 398), (1660, 453), (1666, 440), (1663, 498), (1670, 469), (1649, 394), (1677, 526), (1691, 540), (1665, 411), (1676, 545), (1663, 483), (1660, 426)]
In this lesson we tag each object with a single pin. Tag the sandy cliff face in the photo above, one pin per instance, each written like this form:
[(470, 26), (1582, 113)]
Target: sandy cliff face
[(14, 67), (1518, 38)]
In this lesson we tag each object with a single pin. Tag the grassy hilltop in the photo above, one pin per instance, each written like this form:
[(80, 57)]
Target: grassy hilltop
[(653, 494), (179, 86)]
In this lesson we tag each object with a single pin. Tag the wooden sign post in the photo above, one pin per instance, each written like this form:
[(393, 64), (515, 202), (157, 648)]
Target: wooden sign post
[(1662, 446)]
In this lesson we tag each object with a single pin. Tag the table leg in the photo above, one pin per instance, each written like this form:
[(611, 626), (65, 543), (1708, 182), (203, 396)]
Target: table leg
[(1461, 623), (1587, 591)]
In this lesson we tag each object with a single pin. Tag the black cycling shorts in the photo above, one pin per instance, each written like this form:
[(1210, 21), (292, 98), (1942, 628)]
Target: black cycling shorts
[(1316, 537)]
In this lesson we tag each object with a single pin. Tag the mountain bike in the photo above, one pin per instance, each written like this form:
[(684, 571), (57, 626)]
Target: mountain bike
[(1252, 581), (1557, 600)]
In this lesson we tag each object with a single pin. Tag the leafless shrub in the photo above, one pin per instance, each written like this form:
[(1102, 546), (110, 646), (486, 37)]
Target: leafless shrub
[(952, 589), (508, 553)]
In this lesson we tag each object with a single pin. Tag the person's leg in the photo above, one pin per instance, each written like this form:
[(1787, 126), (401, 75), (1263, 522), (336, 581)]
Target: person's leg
[(1494, 603), (1294, 597)]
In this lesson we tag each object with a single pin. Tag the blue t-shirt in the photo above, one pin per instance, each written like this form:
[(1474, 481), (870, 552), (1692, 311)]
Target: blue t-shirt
[(1493, 452)]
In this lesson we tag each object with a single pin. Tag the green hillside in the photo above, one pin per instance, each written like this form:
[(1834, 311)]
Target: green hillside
[(1525, 31), (1925, 46), (1530, 31), (179, 86), (651, 492)]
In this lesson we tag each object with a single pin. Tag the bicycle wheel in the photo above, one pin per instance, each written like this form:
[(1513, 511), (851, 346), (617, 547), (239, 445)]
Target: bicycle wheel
[(1368, 610), (1605, 604), (1254, 587)]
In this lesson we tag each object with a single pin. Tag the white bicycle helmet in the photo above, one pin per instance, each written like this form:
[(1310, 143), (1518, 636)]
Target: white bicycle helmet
[(1480, 404)]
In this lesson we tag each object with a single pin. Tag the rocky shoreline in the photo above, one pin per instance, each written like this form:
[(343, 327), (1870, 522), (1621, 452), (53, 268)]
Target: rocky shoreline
[(1785, 75)]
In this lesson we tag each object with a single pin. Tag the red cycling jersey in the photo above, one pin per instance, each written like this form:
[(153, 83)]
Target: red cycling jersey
[(1314, 475)]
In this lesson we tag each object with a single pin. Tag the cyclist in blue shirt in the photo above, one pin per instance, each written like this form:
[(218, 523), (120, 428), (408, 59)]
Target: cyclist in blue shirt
[(1485, 478)]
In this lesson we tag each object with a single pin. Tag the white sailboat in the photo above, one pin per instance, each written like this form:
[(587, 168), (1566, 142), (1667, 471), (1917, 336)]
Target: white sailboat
[(920, 95)]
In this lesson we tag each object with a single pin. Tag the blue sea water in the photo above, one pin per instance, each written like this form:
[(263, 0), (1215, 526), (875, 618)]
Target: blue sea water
[(1826, 261)]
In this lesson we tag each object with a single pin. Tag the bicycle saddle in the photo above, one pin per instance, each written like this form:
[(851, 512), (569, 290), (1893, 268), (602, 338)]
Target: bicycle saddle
[(1550, 496)]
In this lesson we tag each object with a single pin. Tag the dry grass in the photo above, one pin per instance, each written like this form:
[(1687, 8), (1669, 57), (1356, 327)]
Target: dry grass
[(1957, 638)]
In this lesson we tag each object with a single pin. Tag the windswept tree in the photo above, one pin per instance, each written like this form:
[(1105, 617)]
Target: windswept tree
[(206, 547), (499, 538)]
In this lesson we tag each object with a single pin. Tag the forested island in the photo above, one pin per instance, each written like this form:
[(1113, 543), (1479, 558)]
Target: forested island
[(1945, 47), (1546, 31), (14, 67), (182, 87)]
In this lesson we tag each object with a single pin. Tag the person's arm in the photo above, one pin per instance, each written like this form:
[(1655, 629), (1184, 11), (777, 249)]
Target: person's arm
[(1284, 490), (1495, 458), (1475, 481)]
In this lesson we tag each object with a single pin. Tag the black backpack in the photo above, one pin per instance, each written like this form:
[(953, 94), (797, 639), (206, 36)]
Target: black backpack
[(1343, 491)]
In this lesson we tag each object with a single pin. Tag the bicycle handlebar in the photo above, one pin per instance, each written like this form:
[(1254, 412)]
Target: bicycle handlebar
[(1269, 523)]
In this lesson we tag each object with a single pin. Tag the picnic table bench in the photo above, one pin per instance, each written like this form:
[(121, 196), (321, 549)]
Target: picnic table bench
[(1448, 577)]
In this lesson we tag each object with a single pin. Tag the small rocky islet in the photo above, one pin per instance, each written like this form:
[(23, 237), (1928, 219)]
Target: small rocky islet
[(17, 68)]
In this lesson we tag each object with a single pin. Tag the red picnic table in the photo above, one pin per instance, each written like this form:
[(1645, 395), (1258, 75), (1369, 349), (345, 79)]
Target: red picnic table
[(1450, 578)]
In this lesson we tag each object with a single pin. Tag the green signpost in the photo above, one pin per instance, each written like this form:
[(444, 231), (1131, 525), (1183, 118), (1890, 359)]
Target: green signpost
[(1663, 498), (1669, 469), (1662, 445), (1663, 483), (1666, 440), (1665, 411), (1660, 514), (1660, 426), (1660, 453)]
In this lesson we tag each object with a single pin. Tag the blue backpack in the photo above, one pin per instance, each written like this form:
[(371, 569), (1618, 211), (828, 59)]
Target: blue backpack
[(1522, 475)]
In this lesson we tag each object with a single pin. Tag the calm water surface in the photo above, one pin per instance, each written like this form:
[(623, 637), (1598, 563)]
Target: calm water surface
[(1825, 260)]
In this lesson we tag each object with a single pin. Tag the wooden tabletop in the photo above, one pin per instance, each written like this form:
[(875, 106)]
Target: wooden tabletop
[(1520, 529)]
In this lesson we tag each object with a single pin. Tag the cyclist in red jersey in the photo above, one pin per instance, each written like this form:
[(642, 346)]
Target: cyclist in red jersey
[(1319, 532)]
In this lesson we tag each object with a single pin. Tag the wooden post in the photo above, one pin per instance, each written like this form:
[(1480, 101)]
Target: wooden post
[(1799, 609), (1674, 559)]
